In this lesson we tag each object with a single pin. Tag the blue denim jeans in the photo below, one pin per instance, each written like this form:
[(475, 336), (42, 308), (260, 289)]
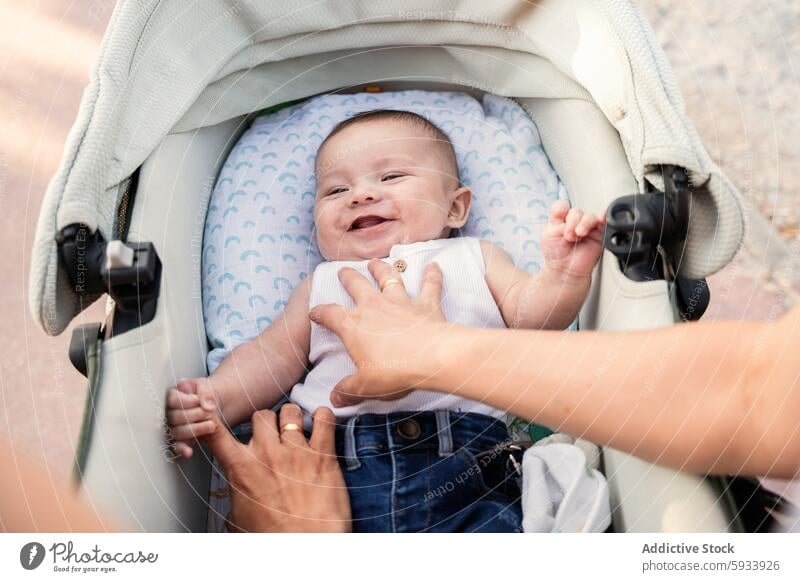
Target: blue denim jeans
[(440, 471)]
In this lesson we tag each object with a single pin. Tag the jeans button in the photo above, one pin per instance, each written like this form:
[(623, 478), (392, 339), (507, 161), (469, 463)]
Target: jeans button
[(409, 429)]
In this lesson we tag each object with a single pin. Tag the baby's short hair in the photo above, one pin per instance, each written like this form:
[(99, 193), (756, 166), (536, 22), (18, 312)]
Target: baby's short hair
[(442, 141)]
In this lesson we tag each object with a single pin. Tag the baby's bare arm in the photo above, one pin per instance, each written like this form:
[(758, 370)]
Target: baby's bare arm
[(256, 375), (541, 301)]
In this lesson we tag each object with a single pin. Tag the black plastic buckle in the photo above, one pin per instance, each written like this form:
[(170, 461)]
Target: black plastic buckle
[(82, 253), (134, 289), (131, 287), (640, 227), (84, 337)]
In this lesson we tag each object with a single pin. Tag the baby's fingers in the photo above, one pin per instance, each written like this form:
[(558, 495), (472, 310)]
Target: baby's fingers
[(187, 386), (183, 449), (178, 416), (208, 399), (179, 399), (185, 432), (573, 219), (587, 223), (558, 211)]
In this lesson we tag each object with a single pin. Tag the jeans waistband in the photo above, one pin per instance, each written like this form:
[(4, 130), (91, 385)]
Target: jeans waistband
[(445, 431)]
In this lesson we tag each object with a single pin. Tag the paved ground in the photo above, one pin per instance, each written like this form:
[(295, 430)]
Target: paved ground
[(46, 50), (737, 62)]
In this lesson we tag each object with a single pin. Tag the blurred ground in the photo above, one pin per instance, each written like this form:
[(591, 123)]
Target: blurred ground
[(46, 50), (736, 61)]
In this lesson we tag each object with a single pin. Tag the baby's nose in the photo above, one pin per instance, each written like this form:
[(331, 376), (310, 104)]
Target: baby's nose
[(361, 198)]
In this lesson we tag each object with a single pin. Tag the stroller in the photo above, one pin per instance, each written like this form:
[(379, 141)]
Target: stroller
[(177, 83)]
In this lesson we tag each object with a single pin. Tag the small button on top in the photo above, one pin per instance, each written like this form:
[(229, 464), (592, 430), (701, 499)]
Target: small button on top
[(400, 265), (409, 429)]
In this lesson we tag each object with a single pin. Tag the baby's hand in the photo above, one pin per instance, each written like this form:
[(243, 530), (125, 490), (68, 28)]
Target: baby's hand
[(191, 413), (573, 241)]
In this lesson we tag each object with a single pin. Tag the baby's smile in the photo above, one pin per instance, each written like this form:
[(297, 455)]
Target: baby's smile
[(383, 182), (369, 223)]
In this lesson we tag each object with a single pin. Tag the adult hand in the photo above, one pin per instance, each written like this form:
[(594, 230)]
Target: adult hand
[(391, 338), (279, 481)]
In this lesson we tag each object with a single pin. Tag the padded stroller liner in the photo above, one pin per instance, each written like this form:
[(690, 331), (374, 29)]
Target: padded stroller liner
[(259, 238), (166, 68)]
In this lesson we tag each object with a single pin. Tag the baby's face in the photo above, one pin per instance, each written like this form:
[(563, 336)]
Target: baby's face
[(381, 183)]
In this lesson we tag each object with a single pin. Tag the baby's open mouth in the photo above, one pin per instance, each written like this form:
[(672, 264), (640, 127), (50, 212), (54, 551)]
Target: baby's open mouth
[(368, 221)]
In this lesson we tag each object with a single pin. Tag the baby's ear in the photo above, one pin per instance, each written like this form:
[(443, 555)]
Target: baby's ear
[(459, 207)]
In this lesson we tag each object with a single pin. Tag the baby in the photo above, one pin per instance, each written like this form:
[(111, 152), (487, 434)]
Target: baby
[(388, 188)]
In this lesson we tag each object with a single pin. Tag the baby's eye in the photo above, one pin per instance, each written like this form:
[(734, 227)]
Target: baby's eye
[(388, 177), (337, 190)]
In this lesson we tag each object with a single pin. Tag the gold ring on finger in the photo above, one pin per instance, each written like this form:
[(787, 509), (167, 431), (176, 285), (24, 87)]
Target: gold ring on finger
[(291, 426), (388, 282)]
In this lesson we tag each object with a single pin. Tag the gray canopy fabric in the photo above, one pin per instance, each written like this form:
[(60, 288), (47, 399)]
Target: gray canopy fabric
[(169, 66)]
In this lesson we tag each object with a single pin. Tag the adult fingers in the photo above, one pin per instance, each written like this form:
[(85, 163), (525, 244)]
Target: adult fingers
[(356, 284), (343, 393), (430, 292), (330, 315), (180, 399), (346, 393), (224, 446), (323, 433), (291, 416), (385, 275), (265, 430), (558, 211)]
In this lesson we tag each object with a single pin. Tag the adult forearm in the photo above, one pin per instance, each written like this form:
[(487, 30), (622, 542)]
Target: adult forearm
[(679, 396)]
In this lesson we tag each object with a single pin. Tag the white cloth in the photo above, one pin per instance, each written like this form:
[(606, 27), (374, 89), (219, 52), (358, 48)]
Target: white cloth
[(466, 300), (165, 68), (560, 493)]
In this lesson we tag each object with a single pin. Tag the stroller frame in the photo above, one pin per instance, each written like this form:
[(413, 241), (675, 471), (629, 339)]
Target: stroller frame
[(140, 167)]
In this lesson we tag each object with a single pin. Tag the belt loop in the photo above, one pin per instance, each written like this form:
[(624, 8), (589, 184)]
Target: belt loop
[(444, 432), (350, 455)]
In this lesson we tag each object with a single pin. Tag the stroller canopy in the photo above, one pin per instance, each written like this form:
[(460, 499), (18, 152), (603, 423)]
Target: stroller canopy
[(169, 66)]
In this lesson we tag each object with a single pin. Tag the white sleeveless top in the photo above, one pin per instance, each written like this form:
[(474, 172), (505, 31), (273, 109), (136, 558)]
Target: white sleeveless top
[(466, 300)]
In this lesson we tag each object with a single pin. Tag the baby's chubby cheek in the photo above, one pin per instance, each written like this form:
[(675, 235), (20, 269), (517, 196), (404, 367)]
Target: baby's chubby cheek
[(329, 243)]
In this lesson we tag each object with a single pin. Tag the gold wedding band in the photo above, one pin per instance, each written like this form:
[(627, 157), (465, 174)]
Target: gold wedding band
[(291, 426), (388, 282)]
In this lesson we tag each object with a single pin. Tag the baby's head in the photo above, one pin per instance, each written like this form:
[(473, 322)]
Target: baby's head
[(385, 178)]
